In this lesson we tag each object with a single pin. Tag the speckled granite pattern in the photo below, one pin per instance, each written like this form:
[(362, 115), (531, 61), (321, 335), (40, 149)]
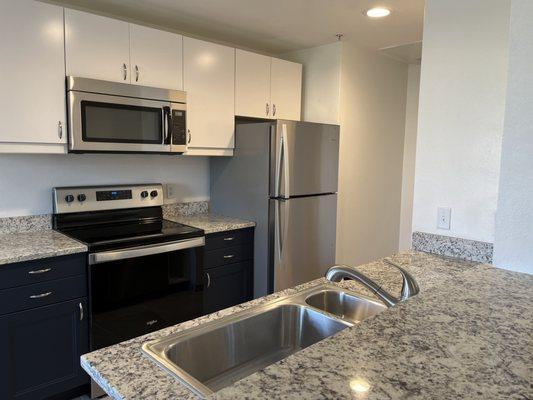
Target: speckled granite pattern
[(197, 207), (197, 215), (24, 246), (27, 223), (466, 249), (211, 223), (466, 335)]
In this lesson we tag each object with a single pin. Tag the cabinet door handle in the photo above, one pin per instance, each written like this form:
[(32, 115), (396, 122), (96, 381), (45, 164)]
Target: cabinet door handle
[(273, 110), (267, 108), (229, 256), (228, 239), (60, 129), (208, 279), (40, 295), (190, 136), (81, 311), (136, 73), (39, 271), (124, 71)]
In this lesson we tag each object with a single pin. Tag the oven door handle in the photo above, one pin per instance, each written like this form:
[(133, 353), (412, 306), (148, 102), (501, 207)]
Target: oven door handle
[(114, 255)]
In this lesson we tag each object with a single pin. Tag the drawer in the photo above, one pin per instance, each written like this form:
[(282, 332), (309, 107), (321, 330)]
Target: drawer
[(46, 269), (229, 255), (226, 239), (41, 294)]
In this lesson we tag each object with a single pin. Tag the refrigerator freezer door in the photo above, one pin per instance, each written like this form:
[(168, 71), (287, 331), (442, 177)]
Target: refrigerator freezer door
[(304, 159), (302, 237)]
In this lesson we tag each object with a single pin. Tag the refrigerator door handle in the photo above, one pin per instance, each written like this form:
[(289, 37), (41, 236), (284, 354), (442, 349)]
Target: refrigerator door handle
[(278, 229), (279, 158), (286, 161), (282, 230)]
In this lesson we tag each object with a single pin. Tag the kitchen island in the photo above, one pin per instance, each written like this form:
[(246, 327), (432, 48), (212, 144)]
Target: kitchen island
[(467, 334)]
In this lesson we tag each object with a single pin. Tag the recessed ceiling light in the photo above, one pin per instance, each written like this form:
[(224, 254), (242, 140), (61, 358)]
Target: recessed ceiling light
[(377, 12)]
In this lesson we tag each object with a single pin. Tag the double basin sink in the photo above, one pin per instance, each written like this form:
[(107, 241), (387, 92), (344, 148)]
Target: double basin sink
[(216, 354)]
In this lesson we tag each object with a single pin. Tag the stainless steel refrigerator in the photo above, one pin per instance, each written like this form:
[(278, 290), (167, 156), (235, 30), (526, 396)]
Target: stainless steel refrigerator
[(284, 176)]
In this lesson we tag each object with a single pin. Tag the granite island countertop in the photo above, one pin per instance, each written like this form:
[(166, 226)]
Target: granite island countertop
[(211, 223), (33, 245), (467, 334)]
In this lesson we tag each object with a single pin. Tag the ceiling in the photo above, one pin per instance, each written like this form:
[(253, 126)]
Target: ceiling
[(271, 26)]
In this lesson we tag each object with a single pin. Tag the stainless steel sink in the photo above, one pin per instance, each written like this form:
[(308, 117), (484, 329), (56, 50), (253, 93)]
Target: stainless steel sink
[(344, 305), (218, 353)]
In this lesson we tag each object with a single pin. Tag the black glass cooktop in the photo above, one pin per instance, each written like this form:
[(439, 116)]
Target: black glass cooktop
[(121, 229), (122, 235)]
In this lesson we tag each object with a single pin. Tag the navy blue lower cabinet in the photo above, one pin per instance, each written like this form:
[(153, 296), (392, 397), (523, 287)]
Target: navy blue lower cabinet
[(227, 286), (40, 350)]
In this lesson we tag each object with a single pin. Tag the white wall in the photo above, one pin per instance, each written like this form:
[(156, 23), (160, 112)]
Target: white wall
[(513, 245), (321, 82), (409, 156), (27, 180), (373, 100), (461, 110)]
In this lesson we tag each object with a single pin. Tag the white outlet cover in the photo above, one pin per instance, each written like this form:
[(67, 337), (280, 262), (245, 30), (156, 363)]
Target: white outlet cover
[(444, 218)]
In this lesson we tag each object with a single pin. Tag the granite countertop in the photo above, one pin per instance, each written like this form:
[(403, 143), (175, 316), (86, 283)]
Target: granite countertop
[(467, 334), (24, 246), (211, 223)]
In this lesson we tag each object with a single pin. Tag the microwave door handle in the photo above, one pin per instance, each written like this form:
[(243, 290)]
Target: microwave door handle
[(167, 123)]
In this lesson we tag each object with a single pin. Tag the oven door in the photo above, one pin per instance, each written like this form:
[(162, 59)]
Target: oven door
[(140, 290), (99, 122)]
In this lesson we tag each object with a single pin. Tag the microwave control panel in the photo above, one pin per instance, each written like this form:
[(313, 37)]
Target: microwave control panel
[(179, 127)]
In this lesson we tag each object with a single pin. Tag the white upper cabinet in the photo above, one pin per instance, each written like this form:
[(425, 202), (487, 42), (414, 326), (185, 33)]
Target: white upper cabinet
[(97, 47), (267, 87), (32, 77), (252, 85), (209, 80), (156, 58), (286, 89)]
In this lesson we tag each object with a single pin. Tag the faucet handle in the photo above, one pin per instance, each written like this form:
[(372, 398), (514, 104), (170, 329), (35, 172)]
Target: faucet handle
[(409, 285)]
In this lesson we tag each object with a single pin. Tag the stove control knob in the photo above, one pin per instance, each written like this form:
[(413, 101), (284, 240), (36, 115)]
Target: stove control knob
[(69, 198), (153, 193), (144, 194), (82, 197)]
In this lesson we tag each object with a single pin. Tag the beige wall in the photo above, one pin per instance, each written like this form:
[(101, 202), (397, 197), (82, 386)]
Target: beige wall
[(373, 100), (409, 155)]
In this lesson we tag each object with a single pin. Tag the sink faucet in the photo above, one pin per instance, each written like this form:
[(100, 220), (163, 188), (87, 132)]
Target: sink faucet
[(409, 286)]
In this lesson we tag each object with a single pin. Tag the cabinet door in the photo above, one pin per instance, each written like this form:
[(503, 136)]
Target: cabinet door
[(32, 73), (156, 58), (41, 351), (227, 286), (252, 85), (286, 89), (97, 47), (209, 80)]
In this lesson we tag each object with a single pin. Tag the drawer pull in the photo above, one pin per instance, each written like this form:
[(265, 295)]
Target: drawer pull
[(81, 311), (40, 296), (229, 256), (229, 239), (39, 271), (208, 279)]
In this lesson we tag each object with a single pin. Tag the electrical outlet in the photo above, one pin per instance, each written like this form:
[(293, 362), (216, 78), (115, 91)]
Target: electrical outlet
[(444, 218), (171, 193)]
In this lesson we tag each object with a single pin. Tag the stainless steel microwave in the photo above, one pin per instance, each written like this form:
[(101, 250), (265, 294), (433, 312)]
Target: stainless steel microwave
[(121, 118)]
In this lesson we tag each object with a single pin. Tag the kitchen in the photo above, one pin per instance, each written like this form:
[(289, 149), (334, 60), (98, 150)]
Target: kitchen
[(184, 176)]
